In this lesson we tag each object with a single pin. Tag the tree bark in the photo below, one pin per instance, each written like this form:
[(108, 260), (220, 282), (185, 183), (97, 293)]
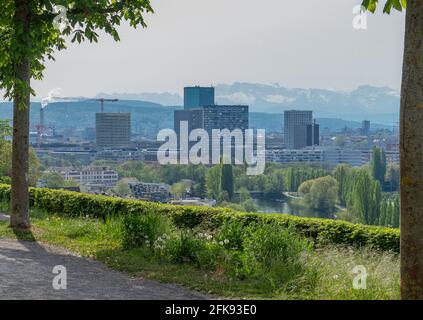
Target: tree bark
[(20, 146), (411, 143)]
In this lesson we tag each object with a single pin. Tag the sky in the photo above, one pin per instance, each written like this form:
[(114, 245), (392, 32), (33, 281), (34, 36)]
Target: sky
[(301, 43)]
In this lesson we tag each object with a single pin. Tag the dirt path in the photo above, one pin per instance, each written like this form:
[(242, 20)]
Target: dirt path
[(26, 272)]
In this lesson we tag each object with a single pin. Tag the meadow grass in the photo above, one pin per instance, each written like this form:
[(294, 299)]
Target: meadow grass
[(331, 266)]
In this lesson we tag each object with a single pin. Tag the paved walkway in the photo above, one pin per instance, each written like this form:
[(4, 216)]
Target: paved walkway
[(26, 272)]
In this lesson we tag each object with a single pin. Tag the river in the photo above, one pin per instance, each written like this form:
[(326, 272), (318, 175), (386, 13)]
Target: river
[(283, 206)]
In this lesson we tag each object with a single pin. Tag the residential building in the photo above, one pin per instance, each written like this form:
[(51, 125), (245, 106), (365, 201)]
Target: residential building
[(392, 155), (89, 175), (151, 191), (307, 155), (337, 155), (120, 155)]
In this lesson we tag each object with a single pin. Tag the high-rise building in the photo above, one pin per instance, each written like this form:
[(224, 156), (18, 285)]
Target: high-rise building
[(225, 117), (213, 117), (201, 112), (365, 127), (113, 129), (295, 128), (196, 97), (313, 134), (194, 118)]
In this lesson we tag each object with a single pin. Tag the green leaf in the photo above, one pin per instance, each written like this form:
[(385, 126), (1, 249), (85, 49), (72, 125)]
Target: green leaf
[(404, 4), (370, 5), (397, 5), (388, 7)]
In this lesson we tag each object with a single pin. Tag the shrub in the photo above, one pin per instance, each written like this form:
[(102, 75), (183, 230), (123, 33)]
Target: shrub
[(142, 230), (277, 256), (231, 235), (185, 248), (319, 230)]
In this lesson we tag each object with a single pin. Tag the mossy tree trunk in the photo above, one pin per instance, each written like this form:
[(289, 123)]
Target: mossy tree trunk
[(20, 147), (411, 149)]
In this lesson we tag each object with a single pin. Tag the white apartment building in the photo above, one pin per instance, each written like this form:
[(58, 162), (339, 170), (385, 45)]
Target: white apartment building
[(308, 155), (327, 155), (335, 155), (89, 175), (392, 156)]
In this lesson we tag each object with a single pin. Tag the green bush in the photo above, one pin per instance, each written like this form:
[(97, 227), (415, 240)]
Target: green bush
[(276, 256), (185, 248), (319, 230), (142, 230), (231, 234)]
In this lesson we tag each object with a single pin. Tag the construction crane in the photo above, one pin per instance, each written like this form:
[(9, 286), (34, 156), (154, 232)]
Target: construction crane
[(40, 127), (102, 100)]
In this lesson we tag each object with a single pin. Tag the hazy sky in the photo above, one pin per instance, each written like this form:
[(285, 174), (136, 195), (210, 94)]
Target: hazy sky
[(301, 43)]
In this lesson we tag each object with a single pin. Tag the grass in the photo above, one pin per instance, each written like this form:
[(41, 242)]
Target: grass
[(332, 265)]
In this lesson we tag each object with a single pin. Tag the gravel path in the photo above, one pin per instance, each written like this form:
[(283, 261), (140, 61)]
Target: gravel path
[(26, 272)]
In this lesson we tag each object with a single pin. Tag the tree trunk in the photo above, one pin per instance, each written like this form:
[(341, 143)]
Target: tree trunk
[(20, 148), (411, 143)]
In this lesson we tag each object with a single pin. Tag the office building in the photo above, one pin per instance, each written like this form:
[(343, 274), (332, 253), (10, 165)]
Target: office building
[(212, 117), (195, 97), (313, 134), (201, 112), (295, 128), (225, 117), (194, 118), (113, 130), (365, 127)]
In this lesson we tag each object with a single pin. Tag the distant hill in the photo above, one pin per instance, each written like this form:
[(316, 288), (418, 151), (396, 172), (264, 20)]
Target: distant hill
[(377, 104), (147, 117), (164, 98)]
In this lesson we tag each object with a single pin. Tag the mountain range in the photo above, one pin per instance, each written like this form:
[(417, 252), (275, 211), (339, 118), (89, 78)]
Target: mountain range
[(377, 104)]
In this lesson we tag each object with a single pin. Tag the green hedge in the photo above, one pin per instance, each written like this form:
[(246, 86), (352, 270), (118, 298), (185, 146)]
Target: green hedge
[(75, 204)]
